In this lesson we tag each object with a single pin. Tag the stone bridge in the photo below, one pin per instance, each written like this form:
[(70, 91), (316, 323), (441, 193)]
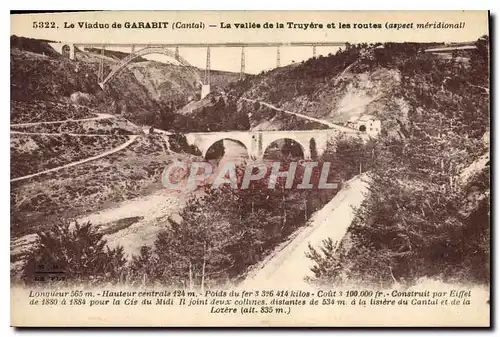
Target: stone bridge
[(256, 142)]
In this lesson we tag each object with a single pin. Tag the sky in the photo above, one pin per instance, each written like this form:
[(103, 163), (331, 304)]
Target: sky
[(474, 24), (257, 59)]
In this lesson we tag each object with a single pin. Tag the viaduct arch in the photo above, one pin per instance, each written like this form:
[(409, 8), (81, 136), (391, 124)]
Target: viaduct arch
[(206, 151), (300, 146), (146, 51)]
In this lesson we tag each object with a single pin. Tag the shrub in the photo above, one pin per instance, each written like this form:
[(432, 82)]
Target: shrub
[(79, 252), (178, 143)]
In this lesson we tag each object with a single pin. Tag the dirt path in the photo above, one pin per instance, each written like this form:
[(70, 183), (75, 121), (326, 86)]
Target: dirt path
[(145, 129), (60, 134), (144, 217), (151, 212), (79, 162), (290, 112), (321, 121), (98, 117), (288, 265)]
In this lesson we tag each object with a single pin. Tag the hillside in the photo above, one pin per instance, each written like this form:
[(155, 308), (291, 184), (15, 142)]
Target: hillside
[(328, 88), (33, 45), (141, 90), (37, 77), (361, 79), (332, 88), (74, 150), (165, 82), (172, 83), (427, 213)]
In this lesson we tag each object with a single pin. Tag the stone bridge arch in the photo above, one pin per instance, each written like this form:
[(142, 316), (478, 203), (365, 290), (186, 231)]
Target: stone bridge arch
[(204, 141), (268, 140), (221, 141), (304, 138)]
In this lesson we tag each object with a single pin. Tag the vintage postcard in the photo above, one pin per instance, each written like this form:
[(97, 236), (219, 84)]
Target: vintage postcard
[(258, 169)]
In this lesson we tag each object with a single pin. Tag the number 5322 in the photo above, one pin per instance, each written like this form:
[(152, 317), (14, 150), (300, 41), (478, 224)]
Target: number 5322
[(46, 24)]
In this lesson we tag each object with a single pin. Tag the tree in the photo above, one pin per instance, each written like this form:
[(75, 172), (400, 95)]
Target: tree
[(216, 151), (78, 252), (416, 219)]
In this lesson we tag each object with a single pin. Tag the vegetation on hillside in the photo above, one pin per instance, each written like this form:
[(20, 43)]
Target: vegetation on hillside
[(177, 84), (105, 126), (40, 76), (221, 234), (220, 114), (335, 87), (35, 153), (37, 78), (78, 252), (33, 45), (63, 195), (420, 218), (37, 111)]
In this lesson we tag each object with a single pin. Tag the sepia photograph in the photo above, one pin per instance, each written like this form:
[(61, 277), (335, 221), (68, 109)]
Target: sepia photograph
[(250, 174)]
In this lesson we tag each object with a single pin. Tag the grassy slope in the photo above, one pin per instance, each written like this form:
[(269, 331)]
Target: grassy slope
[(42, 84), (333, 88), (39, 77), (332, 95), (90, 187), (166, 82), (421, 217)]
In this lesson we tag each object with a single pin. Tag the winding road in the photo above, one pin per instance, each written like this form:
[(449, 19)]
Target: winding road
[(98, 117), (321, 121), (290, 112), (79, 162), (288, 265), (62, 134)]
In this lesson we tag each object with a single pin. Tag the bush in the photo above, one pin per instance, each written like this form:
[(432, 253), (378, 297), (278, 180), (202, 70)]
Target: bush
[(418, 220), (78, 252), (178, 143)]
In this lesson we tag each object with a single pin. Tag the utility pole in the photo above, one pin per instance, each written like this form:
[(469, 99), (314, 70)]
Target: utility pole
[(100, 73), (207, 69), (242, 70), (314, 51), (278, 57), (177, 53)]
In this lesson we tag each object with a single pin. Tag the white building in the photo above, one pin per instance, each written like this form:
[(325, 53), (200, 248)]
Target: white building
[(366, 123)]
